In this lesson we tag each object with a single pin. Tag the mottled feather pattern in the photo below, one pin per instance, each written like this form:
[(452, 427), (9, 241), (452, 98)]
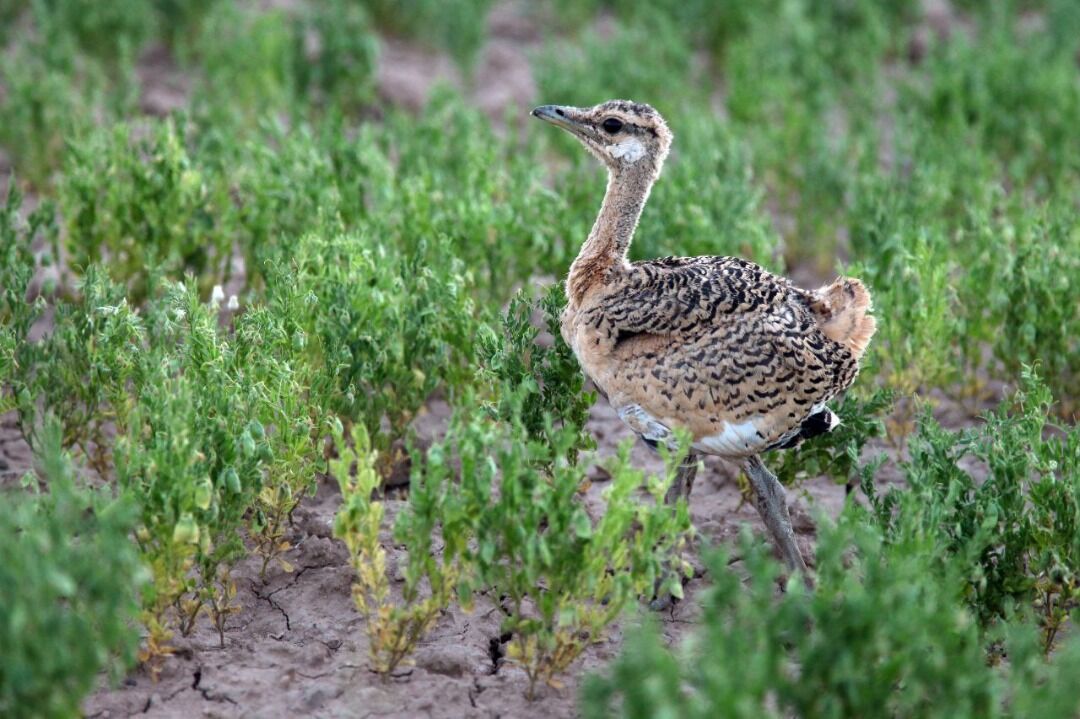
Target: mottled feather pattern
[(717, 345), (709, 343)]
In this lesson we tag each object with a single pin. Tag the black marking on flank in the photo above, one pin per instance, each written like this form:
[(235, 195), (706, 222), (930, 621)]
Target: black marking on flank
[(624, 335), (815, 425)]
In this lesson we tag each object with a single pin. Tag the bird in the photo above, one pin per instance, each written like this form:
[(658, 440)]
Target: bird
[(740, 358)]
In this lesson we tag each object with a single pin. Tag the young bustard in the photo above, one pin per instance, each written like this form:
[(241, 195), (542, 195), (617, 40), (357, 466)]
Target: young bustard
[(741, 358)]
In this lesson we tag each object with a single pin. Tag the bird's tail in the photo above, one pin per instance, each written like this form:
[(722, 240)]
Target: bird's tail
[(843, 313)]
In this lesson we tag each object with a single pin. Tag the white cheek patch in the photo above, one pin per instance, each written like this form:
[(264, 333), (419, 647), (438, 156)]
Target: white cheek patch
[(629, 149)]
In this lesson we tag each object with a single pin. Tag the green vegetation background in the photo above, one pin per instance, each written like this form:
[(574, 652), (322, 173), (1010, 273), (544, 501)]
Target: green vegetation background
[(931, 149)]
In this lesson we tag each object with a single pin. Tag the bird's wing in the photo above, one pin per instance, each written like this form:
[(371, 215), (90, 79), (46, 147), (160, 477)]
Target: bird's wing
[(674, 295), (719, 339)]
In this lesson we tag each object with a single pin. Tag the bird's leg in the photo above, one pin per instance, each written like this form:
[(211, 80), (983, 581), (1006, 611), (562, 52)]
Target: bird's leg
[(684, 480), (772, 506), (681, 487)]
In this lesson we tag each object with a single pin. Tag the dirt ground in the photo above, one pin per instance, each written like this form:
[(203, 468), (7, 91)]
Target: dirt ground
[(298, 646)]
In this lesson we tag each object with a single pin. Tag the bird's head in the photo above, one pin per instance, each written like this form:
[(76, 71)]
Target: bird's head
[(625, 136)]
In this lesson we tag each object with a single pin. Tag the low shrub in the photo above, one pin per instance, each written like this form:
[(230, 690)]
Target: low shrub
[(431, 577), (535, 382), (456, 26), (48, 98), (158, 208), (391, 329), (1002, 501), (104, 30), (885, 632), (337, 52), (561, 577), (17, 312), (68, 588)]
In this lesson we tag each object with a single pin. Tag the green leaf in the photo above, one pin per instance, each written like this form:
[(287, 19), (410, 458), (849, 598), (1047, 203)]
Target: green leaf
[(583, 528)]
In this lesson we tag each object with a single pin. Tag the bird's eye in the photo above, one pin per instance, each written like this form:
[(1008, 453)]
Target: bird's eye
[(612, 125)]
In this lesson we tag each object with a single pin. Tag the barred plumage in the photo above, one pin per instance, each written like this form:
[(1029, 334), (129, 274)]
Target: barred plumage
[(707, 343), (740, 357)]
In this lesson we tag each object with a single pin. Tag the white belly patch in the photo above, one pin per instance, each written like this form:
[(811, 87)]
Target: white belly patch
[(736, 440)]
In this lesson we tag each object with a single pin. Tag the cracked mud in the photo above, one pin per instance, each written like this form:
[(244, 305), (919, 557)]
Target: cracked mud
[(298, 647)]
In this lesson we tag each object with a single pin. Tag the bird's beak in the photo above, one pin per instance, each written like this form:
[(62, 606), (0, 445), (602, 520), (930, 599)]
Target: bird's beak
[(560, 116)]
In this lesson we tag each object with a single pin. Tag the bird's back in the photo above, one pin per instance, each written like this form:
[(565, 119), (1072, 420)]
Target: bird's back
[(720, 346)]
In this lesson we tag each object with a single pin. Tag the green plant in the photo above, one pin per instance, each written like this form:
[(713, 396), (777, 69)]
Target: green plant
[(455, 178), (1037, 312), (395, 628), (791, 85), (68, 586), (158, 209), (272, 354), (929, 261), (288, 187), (217, 420), (562, 577), (248, 61), (81, 370), (10, 11), (391, 329), (1006, 535), (918, 300), (337, 52), (535, 382), (456, 26), (591, 69), (982, 90), (45, 102), (884, 632), (107, 30), (707, 201), (17, 312), (180, 21)]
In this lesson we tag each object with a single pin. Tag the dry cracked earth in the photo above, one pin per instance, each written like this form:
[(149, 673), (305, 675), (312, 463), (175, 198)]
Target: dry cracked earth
[(298, 646)]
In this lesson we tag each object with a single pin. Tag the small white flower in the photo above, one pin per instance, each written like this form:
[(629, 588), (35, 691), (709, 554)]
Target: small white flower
[(234, 304), (217, 296)]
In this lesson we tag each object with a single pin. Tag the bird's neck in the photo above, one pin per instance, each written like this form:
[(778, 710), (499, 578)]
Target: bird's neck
[(609, 240)]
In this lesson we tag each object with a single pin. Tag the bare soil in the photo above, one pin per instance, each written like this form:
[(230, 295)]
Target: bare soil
[(299, 647)]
